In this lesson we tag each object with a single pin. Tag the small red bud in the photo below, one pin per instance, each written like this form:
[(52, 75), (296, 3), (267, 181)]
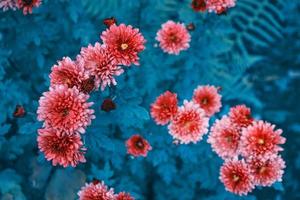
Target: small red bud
[(108, 105), (109, 21), (191, 27), (199, 5), (19, 111), (88, 85), (95, 181)]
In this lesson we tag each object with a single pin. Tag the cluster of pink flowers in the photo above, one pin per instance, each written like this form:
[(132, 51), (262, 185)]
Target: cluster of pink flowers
[(65, 109), (189, 122), (217, 6), (250, 149), (25, 5), (98, 190), (173, 37)]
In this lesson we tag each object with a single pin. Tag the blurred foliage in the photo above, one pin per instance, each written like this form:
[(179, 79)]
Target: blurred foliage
[(252, 53)]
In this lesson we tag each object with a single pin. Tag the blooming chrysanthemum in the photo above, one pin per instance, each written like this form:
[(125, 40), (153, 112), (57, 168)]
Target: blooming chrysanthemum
[(236, 177), (225, 138), (164, 108), (101, 64), (219, 6), (138, 146), (69, 73), (266, 172), (199, 5), (65, 108), (208, 99), (28, 5), (173, 37), (96, 191), (125, 42), (8, 4), (241, 115), (63, 149), (124, 196), (189, 124), (261, 140)]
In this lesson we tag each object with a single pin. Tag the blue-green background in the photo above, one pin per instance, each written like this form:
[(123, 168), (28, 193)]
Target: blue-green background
[(252, 52)]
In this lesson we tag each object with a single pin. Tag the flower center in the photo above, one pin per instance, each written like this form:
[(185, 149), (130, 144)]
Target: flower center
[(235, 178), (229, 139), (173, 38), (65, 112), (68, 81), (261, 141), (139, 144), (204, 101), (88, 85), (124, 46), (56, 147), (262, 170), (27, 2)]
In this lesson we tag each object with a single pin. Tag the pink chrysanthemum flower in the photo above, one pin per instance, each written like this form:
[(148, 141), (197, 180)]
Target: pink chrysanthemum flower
[(266, 172), (219, 6), (69, 73), (101, 64), (63, 149), (173, 37), (164, 108), (66, 109), (28, 5), (225, 138), (96, 191), (236, 177), (125, 42), (208, 99), (241, 115), (8, 4), (189, 124), (124, 196), (261, 140), (138, 146)]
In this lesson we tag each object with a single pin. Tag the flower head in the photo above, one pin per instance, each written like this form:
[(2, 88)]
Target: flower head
[(68, 73), (28, 5), (236, 177), (125, 43), (65, 109), (101, 64), (266, 172), (173, 37), (225, 138), (138, 146), (164, 108), (8, 4), (241, 116), (208, 99), (261, 140), (189, 124), (96, 191), (219, 6), (124, 196), (62, 148)]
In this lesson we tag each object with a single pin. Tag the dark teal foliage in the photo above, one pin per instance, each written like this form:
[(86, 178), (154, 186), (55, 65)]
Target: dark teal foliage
[(253, 53)]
